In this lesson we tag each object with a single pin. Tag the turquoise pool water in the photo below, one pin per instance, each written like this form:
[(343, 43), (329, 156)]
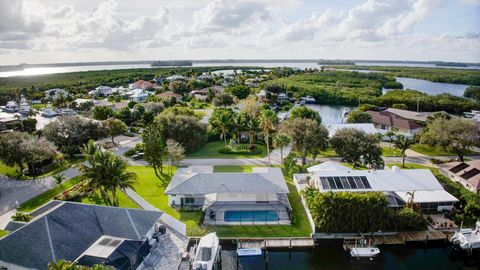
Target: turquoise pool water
[(248, 216)]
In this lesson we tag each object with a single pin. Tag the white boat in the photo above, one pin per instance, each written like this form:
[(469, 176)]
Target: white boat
[(206, 252), (360, 248), (11, 106), (467, 239), (242, 252), (308, 99), (24, 106), (364, 252), (49, 112), (471, 114)]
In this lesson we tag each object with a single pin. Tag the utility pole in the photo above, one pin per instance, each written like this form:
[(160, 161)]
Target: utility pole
[(418, 103)]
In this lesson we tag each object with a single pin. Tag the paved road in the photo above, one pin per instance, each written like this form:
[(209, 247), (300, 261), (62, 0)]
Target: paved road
[(15, 192)]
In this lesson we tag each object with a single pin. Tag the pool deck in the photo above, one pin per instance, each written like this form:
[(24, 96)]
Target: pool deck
[(220, 210)]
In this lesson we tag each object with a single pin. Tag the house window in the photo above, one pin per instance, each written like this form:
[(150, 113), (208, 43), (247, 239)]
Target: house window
[(189, 200), (383, 126)]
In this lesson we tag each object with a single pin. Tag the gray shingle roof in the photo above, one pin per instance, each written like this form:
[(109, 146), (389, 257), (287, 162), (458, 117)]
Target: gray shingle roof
[(68, 230), (193, 180)]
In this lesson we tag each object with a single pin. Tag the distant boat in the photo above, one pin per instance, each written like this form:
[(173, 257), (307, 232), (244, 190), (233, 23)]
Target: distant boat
[(467, 239), (243, 252), (308, 100), (48, 112), (471, 114), (206, 252)]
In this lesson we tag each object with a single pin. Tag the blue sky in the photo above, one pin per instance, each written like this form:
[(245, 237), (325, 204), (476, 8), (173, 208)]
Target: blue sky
[(40, 31)]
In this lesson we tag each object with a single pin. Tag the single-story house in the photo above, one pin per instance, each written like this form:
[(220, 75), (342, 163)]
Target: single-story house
[(101, 91), (420, 117), (92, 234), (385, 120), (169, 94), (141, 84), (466, 173), (55, 93), (204, 77), (139, 95), (365, 127), (257, 197), (397, 185), (176, 78)]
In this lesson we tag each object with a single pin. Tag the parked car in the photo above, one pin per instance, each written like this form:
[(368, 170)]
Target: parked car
[(138, 156)]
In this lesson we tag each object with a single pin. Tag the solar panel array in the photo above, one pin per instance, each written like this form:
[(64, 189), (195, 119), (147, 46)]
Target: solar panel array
[(345, 182), (470, 174), (459, 167)]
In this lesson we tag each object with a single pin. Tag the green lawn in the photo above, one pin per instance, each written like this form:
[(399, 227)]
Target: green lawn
[(435, 151), (409, 166), (151, 189), (390, 152), (38, 106), (3, 233), (58, 168), (211, 150), (45, 197), (324, 154), (123, 200), (7, 170), (232, 168)]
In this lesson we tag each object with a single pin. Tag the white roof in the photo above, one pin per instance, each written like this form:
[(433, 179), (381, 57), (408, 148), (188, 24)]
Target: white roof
[(328, 166), (365, 127), (426, 196), (422, 181)]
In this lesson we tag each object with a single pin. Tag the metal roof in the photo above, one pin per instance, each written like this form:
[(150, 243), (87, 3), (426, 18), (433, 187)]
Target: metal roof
[(69, 229), (202, 180)]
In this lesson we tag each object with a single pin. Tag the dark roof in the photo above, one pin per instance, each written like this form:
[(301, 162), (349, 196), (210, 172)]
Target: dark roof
[(14, 225), (389, 119), (66, 231)]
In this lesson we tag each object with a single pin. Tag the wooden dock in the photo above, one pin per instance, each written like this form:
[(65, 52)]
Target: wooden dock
[(275, 242), (405, 237)]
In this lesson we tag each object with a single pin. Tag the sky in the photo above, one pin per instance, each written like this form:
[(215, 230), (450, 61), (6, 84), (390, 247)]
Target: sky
[(53, 31)]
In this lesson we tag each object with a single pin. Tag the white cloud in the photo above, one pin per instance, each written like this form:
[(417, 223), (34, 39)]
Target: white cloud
[(42, 30)]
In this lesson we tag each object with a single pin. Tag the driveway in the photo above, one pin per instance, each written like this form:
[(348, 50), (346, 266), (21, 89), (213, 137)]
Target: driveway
[(15, 192)]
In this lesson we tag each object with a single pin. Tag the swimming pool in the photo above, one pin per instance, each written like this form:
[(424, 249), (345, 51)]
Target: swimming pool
[(249, 216)]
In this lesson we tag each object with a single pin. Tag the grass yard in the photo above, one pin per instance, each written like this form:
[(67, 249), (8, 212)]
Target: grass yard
[(151, 189), (324, 154), (3, 233), (45, 197), (39, 106), (58, 168), (7, 170), (232, 168), (390, 152), (211, 150), (435, 151), (123, 200), (409, 166)]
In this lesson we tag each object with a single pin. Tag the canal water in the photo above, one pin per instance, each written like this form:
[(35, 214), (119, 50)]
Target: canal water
[(331, 114), (432, 88), (330, 255)]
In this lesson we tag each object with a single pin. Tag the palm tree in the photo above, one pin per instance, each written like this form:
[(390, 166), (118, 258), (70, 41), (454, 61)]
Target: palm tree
[(402, 143), (281, 141), (106, 173), (221, 121), (118, 177), (390, 134), (251, 124), (59, 178), (238, 125), (268, 118)]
